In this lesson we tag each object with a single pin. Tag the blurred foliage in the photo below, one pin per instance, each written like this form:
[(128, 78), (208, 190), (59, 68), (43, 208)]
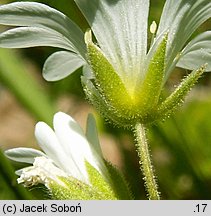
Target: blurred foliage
[(180, 147)]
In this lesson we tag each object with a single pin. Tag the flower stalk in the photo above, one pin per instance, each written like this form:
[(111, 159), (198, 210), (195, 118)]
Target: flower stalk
[(146, 163)]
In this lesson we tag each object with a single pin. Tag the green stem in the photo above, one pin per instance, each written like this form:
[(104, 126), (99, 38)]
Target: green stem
[(145, 162)]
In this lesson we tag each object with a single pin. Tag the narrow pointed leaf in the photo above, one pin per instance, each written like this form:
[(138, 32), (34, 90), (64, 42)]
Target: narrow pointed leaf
[(74, 190), (105, 109)]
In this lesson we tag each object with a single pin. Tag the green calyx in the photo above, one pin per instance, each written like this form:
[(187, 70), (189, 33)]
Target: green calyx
[(111, 97), (73, 189), (108, 83), (100, 184), (149, 92)]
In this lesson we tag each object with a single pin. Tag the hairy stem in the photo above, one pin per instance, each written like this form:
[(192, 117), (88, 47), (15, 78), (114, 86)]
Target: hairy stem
[(145, 162)]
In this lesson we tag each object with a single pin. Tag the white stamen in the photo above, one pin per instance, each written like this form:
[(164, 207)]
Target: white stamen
[(88, 36), (43, 171)]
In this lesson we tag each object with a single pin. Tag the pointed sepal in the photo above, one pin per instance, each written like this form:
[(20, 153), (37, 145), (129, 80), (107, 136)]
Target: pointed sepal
[(172, 102), (99, 102), (99, 183), (149, 93), (107, 81), (73, 189), (118, 182)]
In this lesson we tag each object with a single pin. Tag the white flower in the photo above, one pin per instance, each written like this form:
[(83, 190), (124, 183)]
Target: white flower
[(120, 28), (125, 77), (66, 149)]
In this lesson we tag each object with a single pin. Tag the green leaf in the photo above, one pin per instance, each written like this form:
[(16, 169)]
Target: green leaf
[(107, 80), (99, 102)]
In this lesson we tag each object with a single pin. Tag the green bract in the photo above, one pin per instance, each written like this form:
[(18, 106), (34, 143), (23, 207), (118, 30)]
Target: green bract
[(122, 78)]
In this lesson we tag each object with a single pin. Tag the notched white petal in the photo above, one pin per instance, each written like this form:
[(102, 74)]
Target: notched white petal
[(197, 52), (35, 14), (73, 140), (25, 155), (66, 151), (120, 28), (50, 144), (182, 18), (61, 64), (92, 135), (62, 120), (23, 37)]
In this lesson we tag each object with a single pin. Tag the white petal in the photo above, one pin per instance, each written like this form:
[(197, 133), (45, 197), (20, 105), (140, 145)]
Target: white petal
[(61, 64), (92, 135), (39, 15), (25, 155), (52, 147), (121, 31), (32, 36), (181, 18), (20, 171), (197, 52), (74, 142), (87, 72)]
